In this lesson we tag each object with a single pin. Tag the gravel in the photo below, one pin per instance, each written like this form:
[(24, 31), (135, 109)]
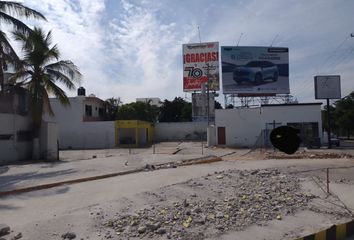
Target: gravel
[(236, 200)]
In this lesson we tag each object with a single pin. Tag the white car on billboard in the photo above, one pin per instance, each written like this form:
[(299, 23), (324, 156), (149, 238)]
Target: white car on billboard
[(256, 72)]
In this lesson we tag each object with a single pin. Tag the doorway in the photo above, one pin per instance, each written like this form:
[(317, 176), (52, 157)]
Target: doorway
[(221, 136)]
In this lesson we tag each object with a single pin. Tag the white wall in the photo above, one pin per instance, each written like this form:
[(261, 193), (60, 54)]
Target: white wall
[(175, 131), (48, 141), (244, 126), (12, 149), (74, 133), (88, 135), (95, 104), (293, 113)]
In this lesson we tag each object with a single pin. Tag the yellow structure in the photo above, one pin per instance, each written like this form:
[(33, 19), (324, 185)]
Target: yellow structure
[(133, 133)]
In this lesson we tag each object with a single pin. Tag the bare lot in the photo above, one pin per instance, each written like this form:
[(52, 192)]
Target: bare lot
[(242, 197)]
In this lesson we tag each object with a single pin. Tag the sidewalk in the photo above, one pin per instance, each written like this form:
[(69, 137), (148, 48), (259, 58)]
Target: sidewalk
[(20, 176)]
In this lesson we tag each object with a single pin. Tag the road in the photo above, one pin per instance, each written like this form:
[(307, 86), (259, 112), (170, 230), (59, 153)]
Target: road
[(46, 214)]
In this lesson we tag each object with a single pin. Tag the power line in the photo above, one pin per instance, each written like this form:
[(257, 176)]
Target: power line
[(334, 52), (239, 39)]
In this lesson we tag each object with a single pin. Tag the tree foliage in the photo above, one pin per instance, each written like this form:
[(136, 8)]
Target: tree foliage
[(112, 106), (177, 110), (342, 116), (138, 111), (8, 13), (41, 71)]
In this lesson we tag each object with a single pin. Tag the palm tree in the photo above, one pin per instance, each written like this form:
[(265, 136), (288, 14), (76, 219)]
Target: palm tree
[(7, 12), (41, 71)]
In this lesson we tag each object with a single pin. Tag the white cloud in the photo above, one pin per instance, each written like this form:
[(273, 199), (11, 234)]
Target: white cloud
[(133, 48)]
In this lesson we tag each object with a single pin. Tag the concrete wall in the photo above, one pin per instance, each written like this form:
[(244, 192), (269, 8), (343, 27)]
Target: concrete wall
[(95, 104), (244, 126), (176, 131), (293, 113), (14, 149), (88, 135), (49, 141), (74, 133)]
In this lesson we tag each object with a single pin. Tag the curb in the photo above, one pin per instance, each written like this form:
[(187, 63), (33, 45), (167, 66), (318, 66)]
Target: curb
[(336, 232), (203, 160)]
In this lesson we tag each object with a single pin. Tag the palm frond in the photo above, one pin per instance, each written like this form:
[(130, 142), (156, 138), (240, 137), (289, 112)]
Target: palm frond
[(61, 78), (7, 52), (18, 9), (48, 38), (51, 54), (57, 91), (68, 68), (17, 24), (21, 74), (27, 45)]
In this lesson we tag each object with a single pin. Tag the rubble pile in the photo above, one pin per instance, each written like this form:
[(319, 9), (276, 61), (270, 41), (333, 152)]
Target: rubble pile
[(307, 155), (236, 199)]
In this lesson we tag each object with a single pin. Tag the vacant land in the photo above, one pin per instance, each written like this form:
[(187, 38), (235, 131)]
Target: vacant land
[(245, 196)]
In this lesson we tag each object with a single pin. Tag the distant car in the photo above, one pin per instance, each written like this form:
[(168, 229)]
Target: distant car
[(256, 72), (335, 141)]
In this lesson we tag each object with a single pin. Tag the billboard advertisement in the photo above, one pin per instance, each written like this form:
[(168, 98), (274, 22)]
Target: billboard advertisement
[(255, 70), (199, 59), (327, 87)]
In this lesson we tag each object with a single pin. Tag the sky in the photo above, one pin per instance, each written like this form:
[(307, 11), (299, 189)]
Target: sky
[(132, 49)]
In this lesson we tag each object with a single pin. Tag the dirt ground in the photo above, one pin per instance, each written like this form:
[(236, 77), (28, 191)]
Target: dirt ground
[(250, 195)]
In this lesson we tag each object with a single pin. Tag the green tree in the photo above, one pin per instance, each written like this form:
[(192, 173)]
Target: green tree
[(138, 111), (177, 110), (325, 119), (344, 114), (112, 106), (8, 11), (41, 71)]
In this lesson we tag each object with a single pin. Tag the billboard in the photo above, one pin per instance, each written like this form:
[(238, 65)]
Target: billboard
[(255, 70), (327, 87), (198, 60)]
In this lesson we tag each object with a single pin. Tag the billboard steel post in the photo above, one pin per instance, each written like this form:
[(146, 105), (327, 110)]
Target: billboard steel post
[(329, 125), (328, 87), (208, 88)]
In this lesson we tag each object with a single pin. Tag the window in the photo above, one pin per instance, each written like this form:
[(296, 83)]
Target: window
[(88, 110), (6, 136), (101, 112), (23, 136)]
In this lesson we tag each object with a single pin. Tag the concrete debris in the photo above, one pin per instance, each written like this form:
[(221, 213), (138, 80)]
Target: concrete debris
[(68, 235), (242, 198), (17, 236), (4, 230), (150, 167), (307, 154)]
